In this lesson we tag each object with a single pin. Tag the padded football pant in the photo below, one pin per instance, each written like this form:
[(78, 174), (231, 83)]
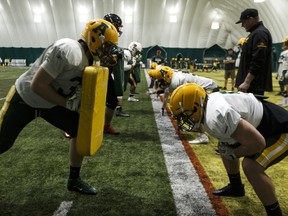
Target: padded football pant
[(16, 114), (274, 128), (111, 97)]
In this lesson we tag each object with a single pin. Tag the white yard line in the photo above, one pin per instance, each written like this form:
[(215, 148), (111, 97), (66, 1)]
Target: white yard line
[(63, 208), (189, 193)]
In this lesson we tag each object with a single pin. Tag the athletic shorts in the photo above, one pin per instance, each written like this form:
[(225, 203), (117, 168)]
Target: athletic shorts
[(229, 74), (111, 97), (16, 114), (274, 128)]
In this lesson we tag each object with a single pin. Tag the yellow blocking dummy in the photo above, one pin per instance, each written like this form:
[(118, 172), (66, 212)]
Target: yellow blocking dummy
[(92, 110)]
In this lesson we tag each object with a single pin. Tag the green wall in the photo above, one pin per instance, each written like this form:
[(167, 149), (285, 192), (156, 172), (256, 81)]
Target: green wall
[(31, 54)]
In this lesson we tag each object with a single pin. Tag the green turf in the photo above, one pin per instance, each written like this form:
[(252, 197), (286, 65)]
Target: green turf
[(128, 171)]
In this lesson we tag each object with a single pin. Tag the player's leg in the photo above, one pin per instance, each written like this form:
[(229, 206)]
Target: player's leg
[(68, 121), (262, 185), (14, 116), (235, 188)]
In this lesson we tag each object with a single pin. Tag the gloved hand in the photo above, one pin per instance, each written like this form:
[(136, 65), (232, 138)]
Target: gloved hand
[(226, 151), (73, 103)]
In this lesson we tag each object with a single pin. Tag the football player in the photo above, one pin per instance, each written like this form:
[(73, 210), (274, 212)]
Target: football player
[(245, 127), (282, 74), (131, 60), (45, 90), (175, 79), (114, 99)]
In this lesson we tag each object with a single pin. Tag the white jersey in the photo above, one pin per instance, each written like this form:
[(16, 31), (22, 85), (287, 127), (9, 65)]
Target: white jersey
[(128, 60), (179, 78), (224, 111), (65, 61), (283, 63)]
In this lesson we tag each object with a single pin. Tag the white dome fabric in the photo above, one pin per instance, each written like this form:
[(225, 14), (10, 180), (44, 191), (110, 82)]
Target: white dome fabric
[(150, 21)]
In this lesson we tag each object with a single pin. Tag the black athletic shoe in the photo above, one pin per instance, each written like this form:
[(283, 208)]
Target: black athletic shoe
[(120, 113), (80, 186), (230, 191)]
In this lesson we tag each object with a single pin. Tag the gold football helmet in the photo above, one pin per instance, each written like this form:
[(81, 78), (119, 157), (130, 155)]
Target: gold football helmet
[(186, 104), (155, 73), (167, 73), (153, 65), (101, 38), (285, 43)]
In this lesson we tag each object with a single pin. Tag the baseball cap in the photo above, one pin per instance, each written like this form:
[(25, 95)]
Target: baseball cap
[(249, 12)]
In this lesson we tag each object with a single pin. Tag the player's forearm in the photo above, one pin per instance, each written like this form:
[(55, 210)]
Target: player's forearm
[(249, 78), (49, 94)]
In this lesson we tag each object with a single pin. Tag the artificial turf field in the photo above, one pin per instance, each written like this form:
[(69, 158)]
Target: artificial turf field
[(128, 171)]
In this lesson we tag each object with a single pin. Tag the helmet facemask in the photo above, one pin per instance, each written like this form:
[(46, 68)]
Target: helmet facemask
[(186, 119), (109, 54)]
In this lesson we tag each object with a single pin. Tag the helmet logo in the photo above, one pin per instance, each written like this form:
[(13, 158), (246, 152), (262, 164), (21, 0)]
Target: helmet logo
[(100, 30)]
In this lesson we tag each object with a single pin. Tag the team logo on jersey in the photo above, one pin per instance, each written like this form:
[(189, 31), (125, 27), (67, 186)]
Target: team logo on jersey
[(261, 45)]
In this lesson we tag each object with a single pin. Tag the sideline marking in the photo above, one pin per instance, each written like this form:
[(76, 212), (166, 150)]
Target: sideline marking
[(63, 208), (188, 192)]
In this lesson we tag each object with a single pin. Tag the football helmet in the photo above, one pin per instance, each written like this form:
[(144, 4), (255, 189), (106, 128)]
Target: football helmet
[(116, 21), (167, 73), (101, 38), (285, 43), (241, 41), (187, 105), (135, 48), (153, 65), (155, 73)]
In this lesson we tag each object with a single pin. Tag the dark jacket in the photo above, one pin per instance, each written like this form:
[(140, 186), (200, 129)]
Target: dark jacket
[(256, 58)]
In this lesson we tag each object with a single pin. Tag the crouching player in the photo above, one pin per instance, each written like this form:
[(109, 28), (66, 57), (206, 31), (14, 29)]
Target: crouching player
[(245, 127), (44, 90)]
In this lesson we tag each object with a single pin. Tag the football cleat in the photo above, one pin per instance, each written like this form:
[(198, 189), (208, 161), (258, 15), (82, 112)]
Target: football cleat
[(230, 191), (132, 99), (120, 113), (80, 186), (110, 130)]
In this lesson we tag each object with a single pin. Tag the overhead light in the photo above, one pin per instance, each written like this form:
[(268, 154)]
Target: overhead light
[(37, 18), (82, 18), (128, 19), (259, 1), (215, 25), (173, 19)]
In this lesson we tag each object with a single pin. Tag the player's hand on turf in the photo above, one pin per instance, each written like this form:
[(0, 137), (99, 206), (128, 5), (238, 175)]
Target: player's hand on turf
[(226, 151)]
